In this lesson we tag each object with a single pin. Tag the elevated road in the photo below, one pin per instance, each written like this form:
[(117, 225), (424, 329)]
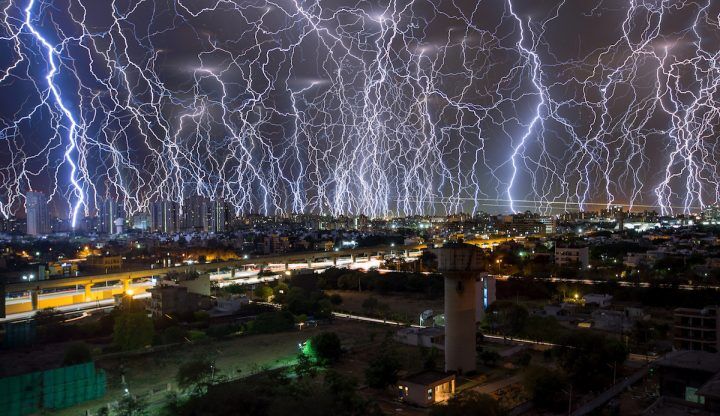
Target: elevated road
[(23, 298), (27, 296)]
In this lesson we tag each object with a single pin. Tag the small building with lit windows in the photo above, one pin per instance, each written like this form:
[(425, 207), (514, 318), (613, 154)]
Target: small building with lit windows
[(566, 256), (426, 388)]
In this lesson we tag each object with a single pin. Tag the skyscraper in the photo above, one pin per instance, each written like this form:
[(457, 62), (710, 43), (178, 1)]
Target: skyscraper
[(109, 212), (197, 214), (203, 214), (36, 208), (164, 216), (221, 218)]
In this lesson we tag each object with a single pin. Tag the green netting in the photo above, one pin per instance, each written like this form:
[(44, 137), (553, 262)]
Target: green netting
[(51, 389), (20, 395), (19, 334)]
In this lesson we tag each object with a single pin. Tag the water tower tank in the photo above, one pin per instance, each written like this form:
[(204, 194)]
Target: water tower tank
[(460, 264), (119, 224)]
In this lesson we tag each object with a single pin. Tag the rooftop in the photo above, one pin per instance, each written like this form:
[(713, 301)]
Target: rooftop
[(428, 377), (663, 407), (708, 310), (692, 360), (711, 388)]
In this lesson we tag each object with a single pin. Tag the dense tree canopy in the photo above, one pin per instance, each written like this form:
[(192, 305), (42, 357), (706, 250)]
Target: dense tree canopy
[(133, 329)]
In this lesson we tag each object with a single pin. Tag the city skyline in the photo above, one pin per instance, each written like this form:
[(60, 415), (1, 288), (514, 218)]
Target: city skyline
[(201, 212)]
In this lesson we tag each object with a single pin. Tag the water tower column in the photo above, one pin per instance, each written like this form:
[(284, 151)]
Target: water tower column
[(460, 349), (460, 264)]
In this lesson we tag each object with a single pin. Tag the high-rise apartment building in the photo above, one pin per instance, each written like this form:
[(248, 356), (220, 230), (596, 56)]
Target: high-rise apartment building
[(221, 217), (197, 214), (203, 214), (711, 214), (36, 208), (109, 211), (164, 216)]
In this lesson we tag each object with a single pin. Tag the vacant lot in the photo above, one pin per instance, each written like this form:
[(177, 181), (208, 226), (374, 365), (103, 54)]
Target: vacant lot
[(239, 356), (405, 306)]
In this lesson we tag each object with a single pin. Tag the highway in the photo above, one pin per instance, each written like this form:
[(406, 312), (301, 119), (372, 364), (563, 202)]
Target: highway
[(84, 292), (27, 296)]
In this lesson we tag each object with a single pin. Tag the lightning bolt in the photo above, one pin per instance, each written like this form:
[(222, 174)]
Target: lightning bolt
[(344, 108)]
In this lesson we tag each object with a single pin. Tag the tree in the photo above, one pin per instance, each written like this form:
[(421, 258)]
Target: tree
[(304, 367), (349, 281), (270, 322), (507, 317), (490, 358), (131, 406), (280, 292), (469, 403), (133, 330), (323, 309), (383, 369), (47, 316), (196, 375), (543, 328), (589, 359), (77, 353), (327, 347), (49, 323), (277, 393), (546, 386), (336, 299), (343, 390), (263, 292)]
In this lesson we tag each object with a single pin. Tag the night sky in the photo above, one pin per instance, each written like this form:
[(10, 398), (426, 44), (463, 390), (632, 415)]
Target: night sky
[(370, 107)]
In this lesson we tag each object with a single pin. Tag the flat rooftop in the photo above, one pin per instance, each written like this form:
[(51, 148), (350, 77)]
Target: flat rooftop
[(692, 360), (427, 377), (673, 408)]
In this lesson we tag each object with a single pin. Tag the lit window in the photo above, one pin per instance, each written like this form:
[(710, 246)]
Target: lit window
[(429, 394)]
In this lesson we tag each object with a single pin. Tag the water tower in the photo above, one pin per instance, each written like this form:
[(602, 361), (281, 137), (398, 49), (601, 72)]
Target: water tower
[(460, 265), (119, 225)]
